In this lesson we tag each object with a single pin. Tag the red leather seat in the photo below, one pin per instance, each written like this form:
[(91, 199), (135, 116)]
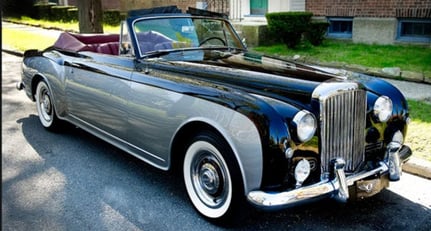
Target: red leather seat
[(101, 43), (111, 48)]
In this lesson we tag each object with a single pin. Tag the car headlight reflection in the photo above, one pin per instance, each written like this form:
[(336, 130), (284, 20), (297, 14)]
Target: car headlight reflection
[(383, 108), (305, 125), (398, 137)]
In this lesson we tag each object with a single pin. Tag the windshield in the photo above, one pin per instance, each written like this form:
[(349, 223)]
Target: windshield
[(184, 33)]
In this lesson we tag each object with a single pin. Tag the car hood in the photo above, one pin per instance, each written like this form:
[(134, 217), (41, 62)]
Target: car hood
[(286, 81)]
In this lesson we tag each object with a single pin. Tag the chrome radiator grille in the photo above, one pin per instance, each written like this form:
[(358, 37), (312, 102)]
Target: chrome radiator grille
[(343, 128)]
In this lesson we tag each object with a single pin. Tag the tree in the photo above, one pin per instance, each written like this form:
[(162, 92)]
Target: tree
[(90, 16)]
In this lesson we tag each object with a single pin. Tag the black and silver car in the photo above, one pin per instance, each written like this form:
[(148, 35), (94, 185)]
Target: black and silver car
[(181, 90)]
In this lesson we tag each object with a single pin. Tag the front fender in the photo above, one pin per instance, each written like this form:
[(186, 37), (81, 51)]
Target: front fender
[(238, 130)]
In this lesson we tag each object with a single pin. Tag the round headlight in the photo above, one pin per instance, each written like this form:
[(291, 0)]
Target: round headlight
[(305, 125), (383, 108)]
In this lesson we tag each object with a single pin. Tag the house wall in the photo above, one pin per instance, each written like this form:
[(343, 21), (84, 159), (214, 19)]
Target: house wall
[(374, 21), (297, 5), (370, 8), (240, 9), (278, 5), (374, 30)]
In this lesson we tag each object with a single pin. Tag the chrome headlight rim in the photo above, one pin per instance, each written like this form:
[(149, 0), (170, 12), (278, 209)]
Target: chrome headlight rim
[(306, 125), (383, 108)]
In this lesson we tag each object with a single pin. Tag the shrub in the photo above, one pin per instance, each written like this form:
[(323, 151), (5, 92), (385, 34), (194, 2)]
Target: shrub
[(288, 26), (14, 8), (316, 32), (112, 17), (61, 13), (43, 11), (72, 14)]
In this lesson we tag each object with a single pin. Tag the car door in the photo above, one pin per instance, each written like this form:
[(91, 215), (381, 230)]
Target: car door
[(97, 93), (157, 110)]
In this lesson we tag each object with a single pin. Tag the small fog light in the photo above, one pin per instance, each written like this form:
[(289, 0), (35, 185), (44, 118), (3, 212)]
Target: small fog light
[(302, 171)]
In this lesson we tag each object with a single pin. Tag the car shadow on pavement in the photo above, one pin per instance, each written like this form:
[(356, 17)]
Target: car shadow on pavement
[(103, 188)]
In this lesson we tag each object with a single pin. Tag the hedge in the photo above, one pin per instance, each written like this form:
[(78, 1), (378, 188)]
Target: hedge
[(112, 17), (52, 12), (14, 8), (291, 27), (63, 13), (43, 11), (288, 26), (72, 14), (316, 32)]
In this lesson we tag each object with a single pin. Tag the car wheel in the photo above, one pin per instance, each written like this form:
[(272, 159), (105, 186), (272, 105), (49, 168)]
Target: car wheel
[(45, 107), (212, 177)]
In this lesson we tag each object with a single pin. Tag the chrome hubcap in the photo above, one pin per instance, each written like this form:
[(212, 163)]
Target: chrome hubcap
[(45, 105), (208, 177)]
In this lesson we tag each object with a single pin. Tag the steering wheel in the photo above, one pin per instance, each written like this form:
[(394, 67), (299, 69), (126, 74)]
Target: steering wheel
[(212, 38)]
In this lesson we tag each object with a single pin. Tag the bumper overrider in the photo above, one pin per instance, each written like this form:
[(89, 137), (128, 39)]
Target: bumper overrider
[(366, 183)]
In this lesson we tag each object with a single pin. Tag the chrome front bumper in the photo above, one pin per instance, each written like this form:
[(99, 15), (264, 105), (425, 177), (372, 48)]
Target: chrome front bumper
[(338, 187)]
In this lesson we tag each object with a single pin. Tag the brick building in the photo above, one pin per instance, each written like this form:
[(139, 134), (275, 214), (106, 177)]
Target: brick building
[(369, 21), (376, 21)]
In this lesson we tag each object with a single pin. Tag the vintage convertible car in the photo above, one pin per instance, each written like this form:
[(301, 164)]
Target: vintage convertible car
[(181, 90)]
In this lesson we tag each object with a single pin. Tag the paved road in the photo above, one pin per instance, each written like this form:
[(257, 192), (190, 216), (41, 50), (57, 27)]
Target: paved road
[(74, 181), (413, 90)]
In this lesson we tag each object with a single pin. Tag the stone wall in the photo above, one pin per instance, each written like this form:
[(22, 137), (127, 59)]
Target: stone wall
[(374, 30)]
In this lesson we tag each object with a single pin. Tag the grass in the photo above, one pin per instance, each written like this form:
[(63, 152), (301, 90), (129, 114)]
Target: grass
[(415, 58), (405, 57), (69, 26), (419, 131), (25, 40)]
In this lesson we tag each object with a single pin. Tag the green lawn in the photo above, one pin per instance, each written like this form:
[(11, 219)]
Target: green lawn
[(415, 58), (24, 40), (70, 26), (419, 131)]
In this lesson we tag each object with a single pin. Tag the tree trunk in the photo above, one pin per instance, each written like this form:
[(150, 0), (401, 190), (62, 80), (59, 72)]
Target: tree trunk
[(90, 16)]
